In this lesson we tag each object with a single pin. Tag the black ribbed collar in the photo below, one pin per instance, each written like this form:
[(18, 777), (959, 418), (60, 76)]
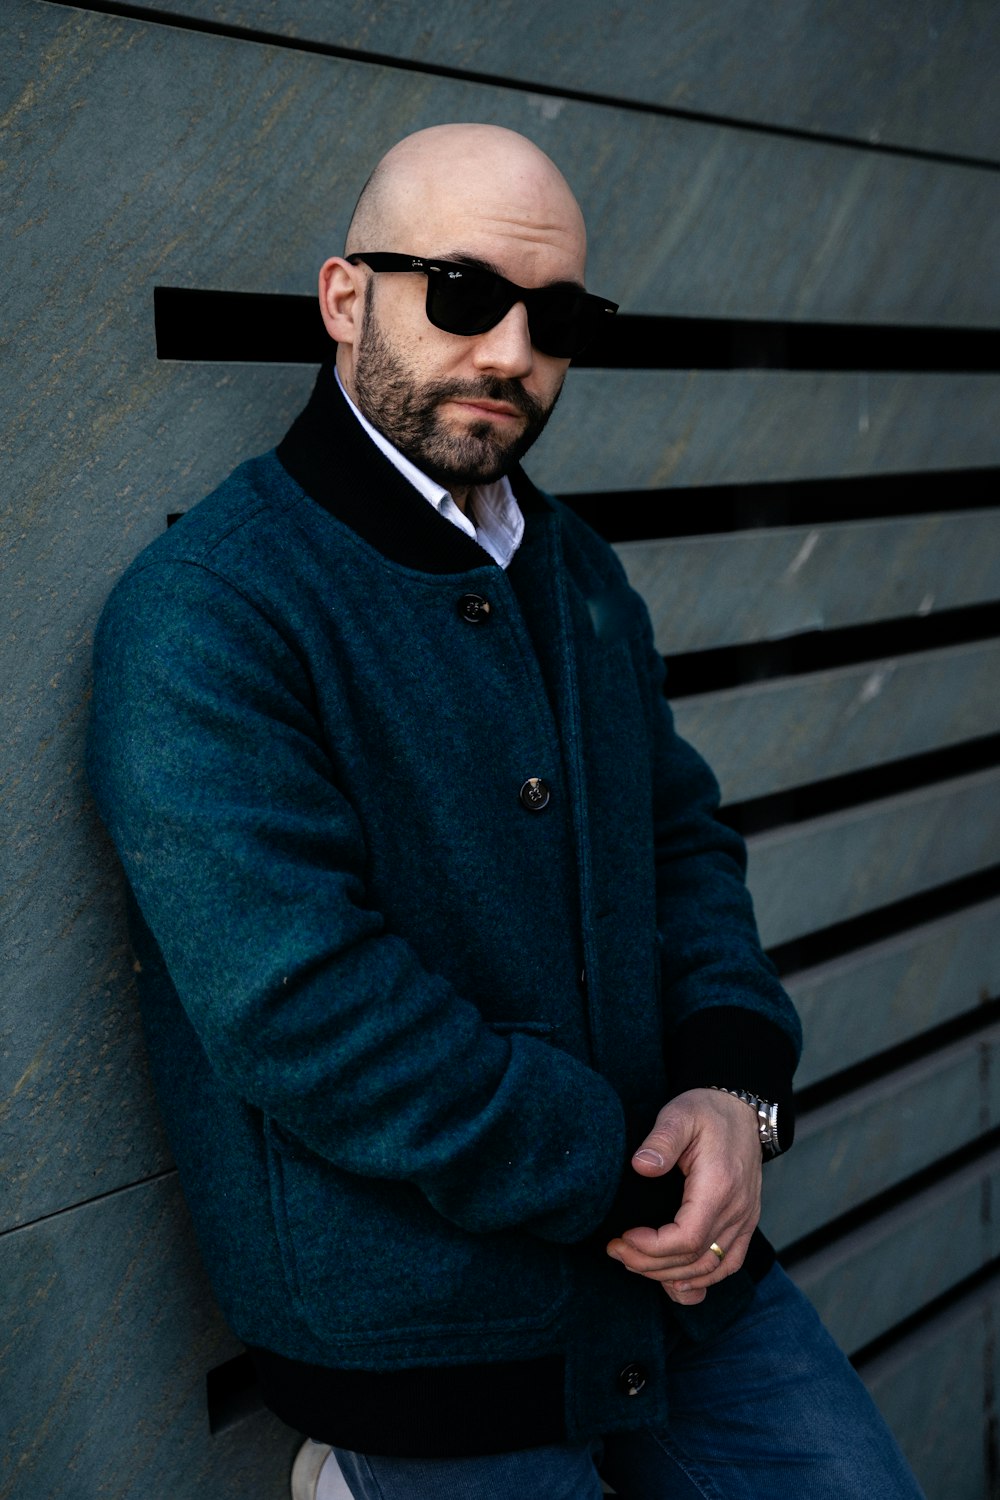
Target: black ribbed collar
[(328, 452)]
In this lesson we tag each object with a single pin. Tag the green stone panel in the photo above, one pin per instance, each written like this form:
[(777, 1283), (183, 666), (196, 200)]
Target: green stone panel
[(949, 1232), (766, 737), (794, 64), (763, 585), (937, 1390), (825, 870), (645, 429), (110, 1331), (877, 997), (76, 1113), (231, 163), (849, 1151)]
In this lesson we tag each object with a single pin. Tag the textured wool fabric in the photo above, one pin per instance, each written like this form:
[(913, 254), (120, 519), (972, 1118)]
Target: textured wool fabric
[(406, 1028)]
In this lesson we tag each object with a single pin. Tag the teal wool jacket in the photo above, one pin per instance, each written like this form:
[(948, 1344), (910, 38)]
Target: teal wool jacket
[(433, 913)]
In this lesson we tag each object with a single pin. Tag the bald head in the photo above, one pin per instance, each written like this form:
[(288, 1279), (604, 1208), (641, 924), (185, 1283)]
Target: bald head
[(434, 186)]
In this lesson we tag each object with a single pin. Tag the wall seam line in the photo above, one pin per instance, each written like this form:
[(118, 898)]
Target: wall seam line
[(584, 96), (56, 1213)]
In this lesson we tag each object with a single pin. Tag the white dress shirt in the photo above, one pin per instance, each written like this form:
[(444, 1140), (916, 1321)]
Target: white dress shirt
[(499, 524)]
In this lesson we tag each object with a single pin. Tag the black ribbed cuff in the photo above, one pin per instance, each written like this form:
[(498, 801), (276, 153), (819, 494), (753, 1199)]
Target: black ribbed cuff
[(727, 1046)]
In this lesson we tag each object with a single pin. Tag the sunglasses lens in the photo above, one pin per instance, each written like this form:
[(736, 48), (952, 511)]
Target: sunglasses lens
[(466, 301), (562, 322)]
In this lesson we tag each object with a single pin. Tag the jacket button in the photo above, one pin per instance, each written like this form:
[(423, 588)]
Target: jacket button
[(474, 609), (534, 794), (632, 1379)]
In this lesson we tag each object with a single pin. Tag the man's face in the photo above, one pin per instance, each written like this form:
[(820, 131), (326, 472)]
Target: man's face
[(461, 419), (462, 408)]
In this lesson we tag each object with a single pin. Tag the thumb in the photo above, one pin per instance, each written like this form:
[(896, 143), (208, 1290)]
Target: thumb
[(661, 1148)]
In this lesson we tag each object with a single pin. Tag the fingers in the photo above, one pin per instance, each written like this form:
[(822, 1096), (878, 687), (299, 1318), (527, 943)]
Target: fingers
[(718, 1207), (695, 1268), (718, 1150)]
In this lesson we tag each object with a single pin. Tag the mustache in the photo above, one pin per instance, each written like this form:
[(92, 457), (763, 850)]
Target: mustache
[(490, 388)]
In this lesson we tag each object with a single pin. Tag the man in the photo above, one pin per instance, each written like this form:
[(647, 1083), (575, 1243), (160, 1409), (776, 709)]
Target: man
[(454, 1002)]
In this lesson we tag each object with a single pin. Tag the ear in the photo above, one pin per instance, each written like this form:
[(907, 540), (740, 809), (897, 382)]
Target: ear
[(341, 298)]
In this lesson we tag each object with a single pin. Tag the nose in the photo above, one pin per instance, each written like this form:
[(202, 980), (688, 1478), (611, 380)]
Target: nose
[(506, 348)]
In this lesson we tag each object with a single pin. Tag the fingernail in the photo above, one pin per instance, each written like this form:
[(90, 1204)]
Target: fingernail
[(682, 1286), (652, 1158)]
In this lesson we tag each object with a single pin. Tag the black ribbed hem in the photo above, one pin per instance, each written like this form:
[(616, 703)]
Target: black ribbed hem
[(444, 1411), (730, 1047), (461, 1411)]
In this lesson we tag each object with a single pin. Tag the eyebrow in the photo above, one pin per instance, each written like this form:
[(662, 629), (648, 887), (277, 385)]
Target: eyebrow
[(477, 263)]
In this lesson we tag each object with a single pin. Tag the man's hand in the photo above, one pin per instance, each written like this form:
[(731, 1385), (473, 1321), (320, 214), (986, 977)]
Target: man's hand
[(713, 1138)]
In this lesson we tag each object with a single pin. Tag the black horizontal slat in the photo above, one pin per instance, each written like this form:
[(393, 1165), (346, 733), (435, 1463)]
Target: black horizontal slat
[(987, 1276), (885, 922), (814, 799), (864, 1214), (872, 1147), (711, 509), (864, 1004), (722, 667), (206, 325), (195, 324), (978, 1018), (855, 1283)]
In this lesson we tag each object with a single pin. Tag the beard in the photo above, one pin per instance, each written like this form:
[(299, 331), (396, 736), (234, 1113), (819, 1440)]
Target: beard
[(407, 412)]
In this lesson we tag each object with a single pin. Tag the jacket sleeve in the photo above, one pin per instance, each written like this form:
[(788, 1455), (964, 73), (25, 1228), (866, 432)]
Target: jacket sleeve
[(248, 865), (728, 1020)]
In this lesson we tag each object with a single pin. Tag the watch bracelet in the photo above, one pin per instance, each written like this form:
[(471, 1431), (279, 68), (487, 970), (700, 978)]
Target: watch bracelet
[(767, 1118)]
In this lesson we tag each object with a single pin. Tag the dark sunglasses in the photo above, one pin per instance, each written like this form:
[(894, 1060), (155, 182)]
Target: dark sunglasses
[(468, 300)]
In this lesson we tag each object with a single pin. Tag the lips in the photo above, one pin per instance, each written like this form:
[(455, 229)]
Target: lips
[(498, 410)]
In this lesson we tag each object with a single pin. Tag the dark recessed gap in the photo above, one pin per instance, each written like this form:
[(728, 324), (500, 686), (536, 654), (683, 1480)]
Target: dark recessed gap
[(232, 1392), (820, 650), (857, 787), (257, 327), (204, 324), (873, 1208), (982, 1016), (888, 921), (537, 86), (636, 341), (926, 1315), (643, 515)]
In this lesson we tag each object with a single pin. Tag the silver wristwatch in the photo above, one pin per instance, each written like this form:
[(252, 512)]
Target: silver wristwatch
[(767, 1119)]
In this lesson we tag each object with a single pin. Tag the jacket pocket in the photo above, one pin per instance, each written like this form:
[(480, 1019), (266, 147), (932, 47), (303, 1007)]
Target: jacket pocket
[(363, 1257)]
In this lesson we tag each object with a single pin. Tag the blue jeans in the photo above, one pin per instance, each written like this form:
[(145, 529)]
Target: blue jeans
[(769, 1410)]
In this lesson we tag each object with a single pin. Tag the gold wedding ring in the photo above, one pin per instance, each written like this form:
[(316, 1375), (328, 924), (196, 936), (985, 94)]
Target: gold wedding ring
[(718, 1250)]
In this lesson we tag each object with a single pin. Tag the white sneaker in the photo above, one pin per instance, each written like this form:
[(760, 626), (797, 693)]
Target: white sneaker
[(310, 1460)]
